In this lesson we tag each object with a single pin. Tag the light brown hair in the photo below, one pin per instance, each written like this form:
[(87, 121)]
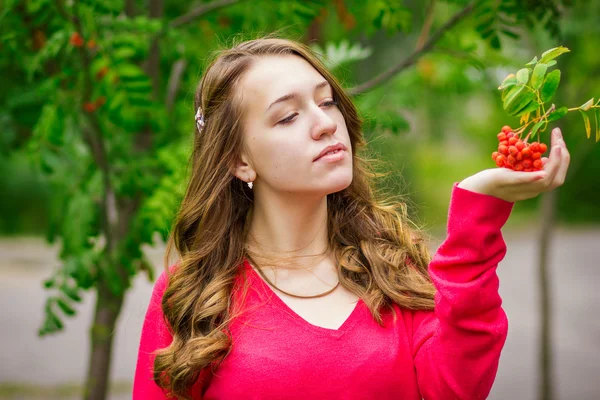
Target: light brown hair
[(382, 256)]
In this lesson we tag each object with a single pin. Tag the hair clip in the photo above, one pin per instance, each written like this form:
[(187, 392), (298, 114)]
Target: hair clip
[(199, 119)]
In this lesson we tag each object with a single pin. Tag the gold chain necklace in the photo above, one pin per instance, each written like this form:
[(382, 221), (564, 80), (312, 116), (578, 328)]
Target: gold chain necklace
[(295, 295)]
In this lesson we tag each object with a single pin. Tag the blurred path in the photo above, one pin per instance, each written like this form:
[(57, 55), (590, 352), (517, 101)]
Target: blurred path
[(575, 275)]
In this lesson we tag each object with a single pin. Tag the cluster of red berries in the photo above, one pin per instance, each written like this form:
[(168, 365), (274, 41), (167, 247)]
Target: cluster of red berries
[(91, 107), (513, 153), (76, 40)]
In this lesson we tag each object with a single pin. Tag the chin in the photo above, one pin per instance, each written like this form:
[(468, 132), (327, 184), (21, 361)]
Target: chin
[(340, 184)]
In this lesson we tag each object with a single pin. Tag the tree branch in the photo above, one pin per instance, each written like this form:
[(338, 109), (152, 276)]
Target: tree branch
[(415, 55), (93, 137), (173, 84), (426, 26), (199, 11)]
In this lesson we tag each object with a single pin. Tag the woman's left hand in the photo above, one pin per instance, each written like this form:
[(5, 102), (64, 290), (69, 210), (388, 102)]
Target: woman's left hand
[(512, 185)]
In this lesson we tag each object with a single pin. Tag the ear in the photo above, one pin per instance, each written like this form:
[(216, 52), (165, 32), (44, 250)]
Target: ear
[(242, 169)]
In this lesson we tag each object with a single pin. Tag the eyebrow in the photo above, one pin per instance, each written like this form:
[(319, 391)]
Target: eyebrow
[(293, 95)]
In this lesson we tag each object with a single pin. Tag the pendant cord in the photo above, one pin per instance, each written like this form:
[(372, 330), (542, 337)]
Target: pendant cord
[(295, 295)]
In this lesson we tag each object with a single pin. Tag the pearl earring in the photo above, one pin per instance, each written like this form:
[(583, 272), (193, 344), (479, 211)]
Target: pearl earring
[(250, 185)]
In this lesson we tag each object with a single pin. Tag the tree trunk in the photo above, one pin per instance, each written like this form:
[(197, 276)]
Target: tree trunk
[(545, 389), (108, 308)]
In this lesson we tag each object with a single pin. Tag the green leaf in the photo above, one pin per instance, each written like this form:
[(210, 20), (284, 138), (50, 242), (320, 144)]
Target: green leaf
[(533, 62), (510, 80), (551, 63), (523, 75), (587, 105), (65, 306), (553, 53), (586, 123), (550, 85), (528, 107), (131, 73), (48, 283), (511, 34), (536, 127), (514, 92), (71, 293), (597, 118), (537, 78), (557, 114)]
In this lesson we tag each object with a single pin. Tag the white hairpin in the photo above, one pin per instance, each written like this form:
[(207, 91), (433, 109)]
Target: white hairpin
[(199, 119)]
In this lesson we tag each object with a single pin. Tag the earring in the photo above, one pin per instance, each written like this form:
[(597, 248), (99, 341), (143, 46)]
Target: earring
[(250, 185)]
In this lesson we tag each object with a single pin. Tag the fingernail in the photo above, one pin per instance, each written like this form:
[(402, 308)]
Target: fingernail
[(557, 133)]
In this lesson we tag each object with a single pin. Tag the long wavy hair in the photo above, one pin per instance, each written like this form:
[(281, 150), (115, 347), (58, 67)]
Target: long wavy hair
[(382, 255)]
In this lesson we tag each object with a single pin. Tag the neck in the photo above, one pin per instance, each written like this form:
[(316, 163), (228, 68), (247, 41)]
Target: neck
[(294, 227)]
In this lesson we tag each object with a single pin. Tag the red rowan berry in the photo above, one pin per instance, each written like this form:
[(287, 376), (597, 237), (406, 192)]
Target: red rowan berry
[(512, 140), (519, 167), (506, 129), (76, 40), (538, 164), (504, 142), (526, 152), (513, 150), (500, 160), (501, 136), (89, 107), (503, 149), (520, 145), (101, 72), (536, 156), (511, 160), (543, 148), (494, 155)]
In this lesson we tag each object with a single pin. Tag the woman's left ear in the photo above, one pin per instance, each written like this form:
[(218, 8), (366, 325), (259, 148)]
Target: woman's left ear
[(242, 169)]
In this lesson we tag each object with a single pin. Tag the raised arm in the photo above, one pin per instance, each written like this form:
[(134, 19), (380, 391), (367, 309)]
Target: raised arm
[(457, 347)]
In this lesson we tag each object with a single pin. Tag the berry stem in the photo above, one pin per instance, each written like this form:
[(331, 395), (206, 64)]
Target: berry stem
[(544, 116), (577, 108)]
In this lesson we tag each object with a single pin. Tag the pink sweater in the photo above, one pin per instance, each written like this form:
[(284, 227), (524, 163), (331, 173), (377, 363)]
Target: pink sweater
[(449, 353)]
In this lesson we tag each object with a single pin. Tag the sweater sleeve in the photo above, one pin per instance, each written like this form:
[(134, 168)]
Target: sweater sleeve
[(456, 347)]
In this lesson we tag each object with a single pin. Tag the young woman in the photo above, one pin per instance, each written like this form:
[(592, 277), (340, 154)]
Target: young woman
[(295, 278)]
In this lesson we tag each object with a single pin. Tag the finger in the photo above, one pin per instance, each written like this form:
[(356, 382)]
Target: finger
[(561, 174), (546, 176)]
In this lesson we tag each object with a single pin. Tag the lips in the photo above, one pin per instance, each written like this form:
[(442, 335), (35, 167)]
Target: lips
[(338, 146)]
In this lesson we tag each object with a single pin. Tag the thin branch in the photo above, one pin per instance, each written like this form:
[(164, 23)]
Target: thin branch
[(199, 11), (174, 81), (426, 26), (415, 55)]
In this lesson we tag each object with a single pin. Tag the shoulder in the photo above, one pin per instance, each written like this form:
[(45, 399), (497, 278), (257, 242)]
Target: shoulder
[(162, 281)]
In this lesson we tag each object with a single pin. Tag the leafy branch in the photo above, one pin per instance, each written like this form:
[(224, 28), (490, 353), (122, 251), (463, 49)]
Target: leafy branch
[(415, 55), (530, 88)]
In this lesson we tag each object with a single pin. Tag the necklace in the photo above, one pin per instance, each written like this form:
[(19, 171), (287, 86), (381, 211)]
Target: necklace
[(295, 295)]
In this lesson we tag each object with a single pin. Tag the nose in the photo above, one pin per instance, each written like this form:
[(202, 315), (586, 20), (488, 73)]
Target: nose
[(324, 124)]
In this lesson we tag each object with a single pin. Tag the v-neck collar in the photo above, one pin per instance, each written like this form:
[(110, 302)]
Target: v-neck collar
[(294, 316)]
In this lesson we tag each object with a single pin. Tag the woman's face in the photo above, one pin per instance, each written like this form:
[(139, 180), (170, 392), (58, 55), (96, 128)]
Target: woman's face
[(290, 118)]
